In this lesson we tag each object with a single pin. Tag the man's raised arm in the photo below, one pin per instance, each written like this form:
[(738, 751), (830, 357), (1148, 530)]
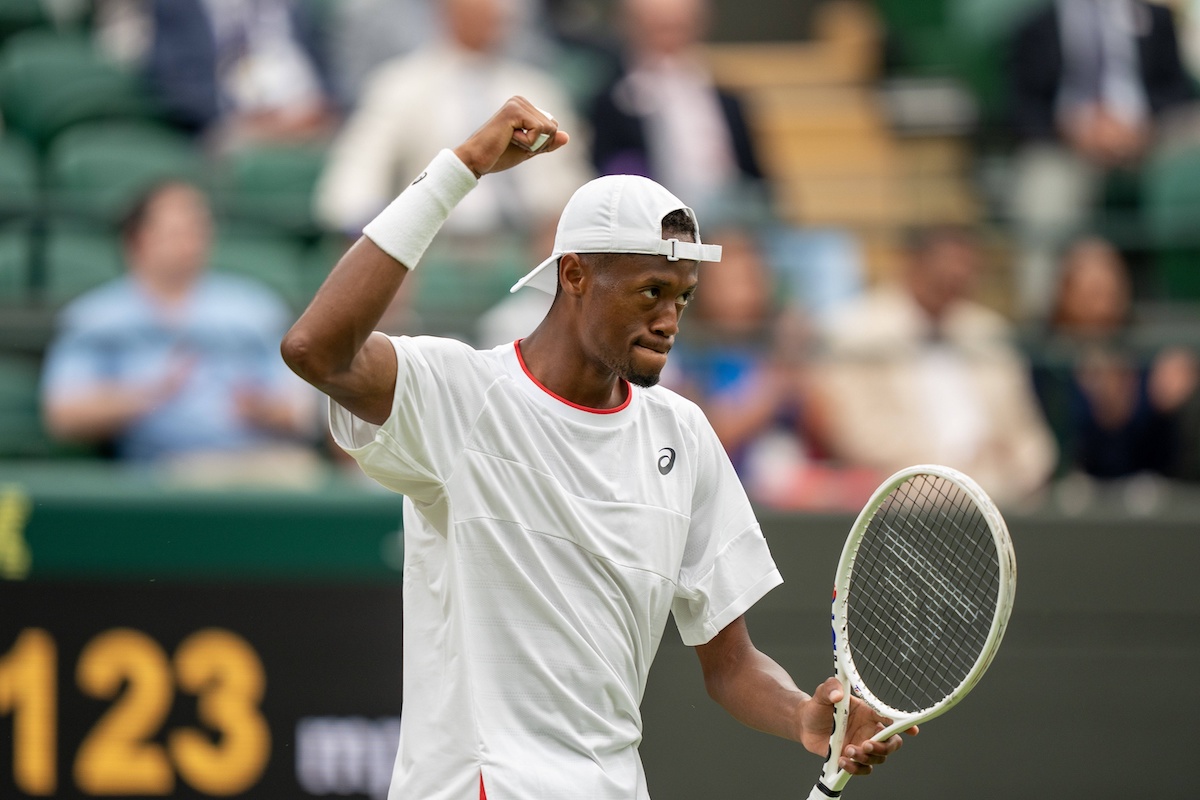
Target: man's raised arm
[(333, 345)]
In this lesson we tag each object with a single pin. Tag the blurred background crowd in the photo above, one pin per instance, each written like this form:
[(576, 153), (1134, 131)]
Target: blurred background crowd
[(955, 231)]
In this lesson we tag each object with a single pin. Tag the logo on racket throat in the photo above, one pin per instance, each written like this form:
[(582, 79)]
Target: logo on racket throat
[(666, 461)]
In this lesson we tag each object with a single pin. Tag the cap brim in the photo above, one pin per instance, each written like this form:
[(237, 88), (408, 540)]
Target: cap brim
[(543, 277)]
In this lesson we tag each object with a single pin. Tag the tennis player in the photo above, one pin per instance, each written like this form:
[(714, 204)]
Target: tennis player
[(558, 504)]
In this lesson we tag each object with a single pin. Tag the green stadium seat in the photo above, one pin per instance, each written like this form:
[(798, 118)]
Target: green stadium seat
[(18, 178), (22, 434), (16, 255), (320, 258), (99, 169), (50, 82), (1171, 210), (274, 259), (78, 259), (271, 185), (21, 15), (962, 39), (454, 287)]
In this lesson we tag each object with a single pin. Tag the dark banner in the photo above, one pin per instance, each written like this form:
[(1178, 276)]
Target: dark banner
[(285, 690), (198, 690)]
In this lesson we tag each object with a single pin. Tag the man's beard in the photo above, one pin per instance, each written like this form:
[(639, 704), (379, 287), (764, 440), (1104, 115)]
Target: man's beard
[(625, 369), (641, 379)]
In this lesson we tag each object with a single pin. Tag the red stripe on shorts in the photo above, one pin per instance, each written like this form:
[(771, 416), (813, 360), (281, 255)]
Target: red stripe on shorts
[(482, 793)]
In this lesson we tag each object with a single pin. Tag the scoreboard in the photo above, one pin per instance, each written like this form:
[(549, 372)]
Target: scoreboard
[(201, 690), (160, 643), (197, 690)]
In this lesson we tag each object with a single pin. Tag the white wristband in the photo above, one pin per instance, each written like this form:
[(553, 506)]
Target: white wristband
[(405, 228)]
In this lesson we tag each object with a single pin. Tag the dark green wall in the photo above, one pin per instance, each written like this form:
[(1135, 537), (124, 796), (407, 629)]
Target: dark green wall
[(1091, 696), (1091, 688)]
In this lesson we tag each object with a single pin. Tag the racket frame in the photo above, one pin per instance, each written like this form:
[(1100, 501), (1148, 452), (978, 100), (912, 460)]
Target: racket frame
[(832, 778)]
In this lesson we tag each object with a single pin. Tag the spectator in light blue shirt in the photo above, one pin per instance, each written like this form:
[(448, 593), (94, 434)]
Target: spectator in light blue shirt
[(173, 361)]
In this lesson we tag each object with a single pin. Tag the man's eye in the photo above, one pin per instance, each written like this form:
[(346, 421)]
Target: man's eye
[(685, 298), (651, 292)]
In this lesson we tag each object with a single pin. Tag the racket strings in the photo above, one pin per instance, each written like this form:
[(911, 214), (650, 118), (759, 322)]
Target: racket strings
[(922, 594)]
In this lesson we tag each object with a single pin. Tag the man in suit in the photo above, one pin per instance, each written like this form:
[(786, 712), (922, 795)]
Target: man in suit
[(240, 73), (1091, 82), (664, 118)]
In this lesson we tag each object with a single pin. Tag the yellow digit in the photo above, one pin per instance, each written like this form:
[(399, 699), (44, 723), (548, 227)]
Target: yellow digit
[(14, 550), (28, 691), (226, 674), (117, 757)]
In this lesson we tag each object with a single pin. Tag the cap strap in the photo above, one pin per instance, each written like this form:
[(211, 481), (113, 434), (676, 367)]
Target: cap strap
[(675, 250)]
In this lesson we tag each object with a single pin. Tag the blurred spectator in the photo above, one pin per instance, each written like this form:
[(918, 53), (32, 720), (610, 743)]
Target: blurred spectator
[(1091, 83), (240, 71), (177, 365), (1115, 409), (663, 116), (819, 268), (747, 363), (457, 80), (364, 34), (1187, 456), (919, 372), (123, 29)]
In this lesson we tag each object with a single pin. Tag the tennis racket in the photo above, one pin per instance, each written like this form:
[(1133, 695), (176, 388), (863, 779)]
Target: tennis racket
[(923, 593)]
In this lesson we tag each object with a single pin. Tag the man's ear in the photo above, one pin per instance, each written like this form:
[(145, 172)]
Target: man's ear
[(573, 274)]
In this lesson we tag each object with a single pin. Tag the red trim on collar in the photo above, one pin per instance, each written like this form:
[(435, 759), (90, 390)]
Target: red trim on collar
[(540, 385)]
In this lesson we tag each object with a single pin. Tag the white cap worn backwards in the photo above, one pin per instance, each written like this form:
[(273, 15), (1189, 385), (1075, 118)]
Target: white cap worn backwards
[(618, 214)]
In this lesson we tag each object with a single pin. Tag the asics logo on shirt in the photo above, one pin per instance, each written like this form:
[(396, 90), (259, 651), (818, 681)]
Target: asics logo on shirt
[(666, 461), (420, 178)]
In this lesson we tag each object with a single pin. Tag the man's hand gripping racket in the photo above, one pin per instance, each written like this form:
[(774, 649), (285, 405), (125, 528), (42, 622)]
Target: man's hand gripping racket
[(922, 596)]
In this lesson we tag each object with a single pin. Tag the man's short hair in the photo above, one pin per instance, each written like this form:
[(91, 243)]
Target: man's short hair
[(678, 223)]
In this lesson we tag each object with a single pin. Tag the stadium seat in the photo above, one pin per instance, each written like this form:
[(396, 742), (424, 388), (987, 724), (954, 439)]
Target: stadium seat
[(454, 287), (21, 15), (97, 170), (319, 260), (961, 40), (16, 252), (272, 185), (1170, 209), (51, 81), (18, 178), (275, 260), (19, 202), (22, 434), (78, 259)]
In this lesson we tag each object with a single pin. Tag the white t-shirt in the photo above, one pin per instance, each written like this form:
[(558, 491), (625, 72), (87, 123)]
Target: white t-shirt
[(545, 544)]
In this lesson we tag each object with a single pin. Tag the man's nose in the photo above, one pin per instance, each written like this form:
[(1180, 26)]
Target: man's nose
[(667, 322)]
